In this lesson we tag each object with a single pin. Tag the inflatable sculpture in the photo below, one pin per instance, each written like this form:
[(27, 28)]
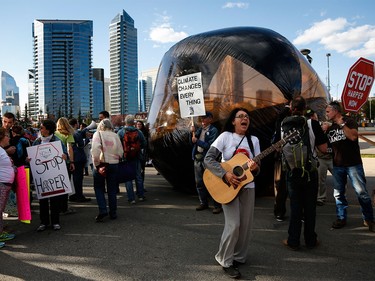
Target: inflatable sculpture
[(251, 67)]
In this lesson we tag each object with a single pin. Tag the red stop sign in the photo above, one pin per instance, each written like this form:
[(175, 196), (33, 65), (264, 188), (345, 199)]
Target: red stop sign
[(358, 85)]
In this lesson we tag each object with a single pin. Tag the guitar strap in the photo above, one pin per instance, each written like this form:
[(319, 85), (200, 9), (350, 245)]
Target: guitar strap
[(238, 146), (251, 145)]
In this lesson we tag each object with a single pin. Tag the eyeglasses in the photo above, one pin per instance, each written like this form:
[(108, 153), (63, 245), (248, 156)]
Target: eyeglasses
[(242, 116)]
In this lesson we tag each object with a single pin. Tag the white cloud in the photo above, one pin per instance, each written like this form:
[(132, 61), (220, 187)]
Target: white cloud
[(163, 32), (230, 5), (319, 30), (341, 36)]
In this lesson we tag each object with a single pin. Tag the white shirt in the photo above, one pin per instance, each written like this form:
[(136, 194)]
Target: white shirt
[(6, 168)]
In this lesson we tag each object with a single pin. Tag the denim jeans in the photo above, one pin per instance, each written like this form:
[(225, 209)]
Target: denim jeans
[(112, 186), (302, 192), (357, 178), (138, 183)]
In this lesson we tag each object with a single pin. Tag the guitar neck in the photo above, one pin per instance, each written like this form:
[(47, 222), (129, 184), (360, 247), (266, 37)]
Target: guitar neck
[(269, 150)]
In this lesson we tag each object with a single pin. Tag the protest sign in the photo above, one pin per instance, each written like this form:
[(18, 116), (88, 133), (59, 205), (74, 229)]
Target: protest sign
[(190, 95), (49, 170)]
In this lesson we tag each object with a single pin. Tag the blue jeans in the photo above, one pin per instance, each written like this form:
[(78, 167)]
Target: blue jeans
[(112, 187), (357, 178), (302, 192), (138, 183)]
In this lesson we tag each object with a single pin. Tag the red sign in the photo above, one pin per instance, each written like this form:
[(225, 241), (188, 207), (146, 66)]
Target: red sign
[(358, 85)]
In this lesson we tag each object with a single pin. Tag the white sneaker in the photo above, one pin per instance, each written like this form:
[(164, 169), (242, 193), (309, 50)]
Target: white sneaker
[(132, 202), (56, 227), (41, 228)]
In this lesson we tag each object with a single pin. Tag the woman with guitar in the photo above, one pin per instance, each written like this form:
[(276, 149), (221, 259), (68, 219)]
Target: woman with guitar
[(235, 140)]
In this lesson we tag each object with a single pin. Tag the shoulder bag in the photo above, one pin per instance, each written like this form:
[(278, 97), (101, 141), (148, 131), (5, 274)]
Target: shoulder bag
[(102, 167)]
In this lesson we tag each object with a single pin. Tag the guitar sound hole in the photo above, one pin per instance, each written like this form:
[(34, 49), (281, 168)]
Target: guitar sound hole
[(238, 171)]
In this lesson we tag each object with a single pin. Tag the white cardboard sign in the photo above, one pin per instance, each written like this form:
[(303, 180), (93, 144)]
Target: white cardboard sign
[(50, 174), (190, 95)]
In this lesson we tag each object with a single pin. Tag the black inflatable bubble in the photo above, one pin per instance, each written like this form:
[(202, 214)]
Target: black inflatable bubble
[(251, 67)]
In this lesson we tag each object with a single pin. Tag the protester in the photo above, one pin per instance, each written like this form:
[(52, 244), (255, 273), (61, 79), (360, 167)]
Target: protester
[(202, 138), (144, 152), (106, 148), (103, 115), (132, 153), (325, 165), (80, 160), (347, 162), (65, 132), (238, 214), (302, 174), (8, 121), (49, 208), (21, 143), (7, 175), (280, 190)]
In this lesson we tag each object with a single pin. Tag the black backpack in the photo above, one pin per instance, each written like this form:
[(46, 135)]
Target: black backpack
[(297, 155)]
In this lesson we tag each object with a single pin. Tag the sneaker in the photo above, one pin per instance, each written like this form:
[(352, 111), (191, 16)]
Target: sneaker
[(338, 223), (2, 244), (201, 207), (217, 210), (141, 199), (132, 202), (41, 228), (56, 227), (280, 218), (369, 224), (290, 247), (232, 272), (5, 236), (100, 217)]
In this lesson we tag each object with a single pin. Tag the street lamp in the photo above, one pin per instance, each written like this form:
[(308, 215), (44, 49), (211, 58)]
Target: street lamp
[(328, 82), (306, 53)]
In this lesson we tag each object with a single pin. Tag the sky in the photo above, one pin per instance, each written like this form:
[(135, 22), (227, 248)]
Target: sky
[(345, 29)]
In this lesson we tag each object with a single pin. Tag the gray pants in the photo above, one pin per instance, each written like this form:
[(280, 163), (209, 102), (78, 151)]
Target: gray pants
[(239, 216), (325, 165)]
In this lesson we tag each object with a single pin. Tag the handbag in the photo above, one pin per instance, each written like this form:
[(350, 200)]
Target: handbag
[(102, 167), (126, 171)]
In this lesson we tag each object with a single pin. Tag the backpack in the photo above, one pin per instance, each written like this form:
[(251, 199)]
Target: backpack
[(297, 155), (132, 144)]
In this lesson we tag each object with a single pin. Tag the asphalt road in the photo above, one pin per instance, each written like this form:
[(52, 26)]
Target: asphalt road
[(164, 238)]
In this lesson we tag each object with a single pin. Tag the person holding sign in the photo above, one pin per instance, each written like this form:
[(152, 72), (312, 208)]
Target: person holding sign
[(202, 138), (239, 212), (49, 208), (7, 174)]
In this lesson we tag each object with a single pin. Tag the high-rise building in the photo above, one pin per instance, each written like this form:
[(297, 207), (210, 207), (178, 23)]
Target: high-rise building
[(63, 67), (98, 91), (123, 55), (9, 95), (146, 90)]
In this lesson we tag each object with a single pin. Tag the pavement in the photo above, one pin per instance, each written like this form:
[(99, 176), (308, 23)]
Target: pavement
[(164, 238)]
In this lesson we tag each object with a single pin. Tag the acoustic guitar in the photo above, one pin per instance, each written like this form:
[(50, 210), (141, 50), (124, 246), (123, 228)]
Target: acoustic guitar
[(223, 192)]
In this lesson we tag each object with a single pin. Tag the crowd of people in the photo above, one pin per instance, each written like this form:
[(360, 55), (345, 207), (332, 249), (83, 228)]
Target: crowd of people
[(332, 143), (81, 149)]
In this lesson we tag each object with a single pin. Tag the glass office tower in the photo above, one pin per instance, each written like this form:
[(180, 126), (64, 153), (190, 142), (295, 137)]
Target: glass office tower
[(123, 54), (9, 94), (63, 67)]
